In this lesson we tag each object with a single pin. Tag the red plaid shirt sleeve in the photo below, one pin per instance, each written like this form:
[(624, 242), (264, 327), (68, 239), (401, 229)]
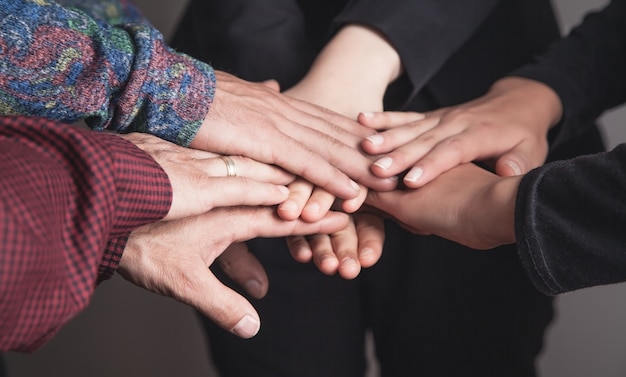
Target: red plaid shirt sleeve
[(65, 193)]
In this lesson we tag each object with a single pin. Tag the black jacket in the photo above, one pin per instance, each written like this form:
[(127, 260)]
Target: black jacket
[(452, 51), (571, 216)]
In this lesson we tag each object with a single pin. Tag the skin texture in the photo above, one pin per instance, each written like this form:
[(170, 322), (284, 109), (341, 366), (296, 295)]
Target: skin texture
[(256, 121), (481, 215), (199, 181), (507, 126), (172, 259), (210, 212), (349, 75)]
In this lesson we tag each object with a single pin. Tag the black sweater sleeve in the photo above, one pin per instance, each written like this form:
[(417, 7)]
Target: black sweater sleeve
[(571, 222), (587, 69)]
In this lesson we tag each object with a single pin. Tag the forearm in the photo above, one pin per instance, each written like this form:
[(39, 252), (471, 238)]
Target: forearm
[(352, 72), (114, 76), (65, 192)]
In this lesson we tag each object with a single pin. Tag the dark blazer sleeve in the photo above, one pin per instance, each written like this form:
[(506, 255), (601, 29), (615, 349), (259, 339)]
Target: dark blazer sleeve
[(425, 33), (587, 69), (570, 222)]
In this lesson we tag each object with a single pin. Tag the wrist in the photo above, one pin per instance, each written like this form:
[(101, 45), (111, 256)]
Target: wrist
[(543, 103), (501, 209), (352, 72)]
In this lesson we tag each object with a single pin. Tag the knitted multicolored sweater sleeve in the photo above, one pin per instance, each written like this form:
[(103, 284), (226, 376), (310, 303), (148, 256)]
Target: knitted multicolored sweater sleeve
[(101, 62)]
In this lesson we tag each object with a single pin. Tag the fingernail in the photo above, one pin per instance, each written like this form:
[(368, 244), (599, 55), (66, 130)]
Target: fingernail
[(247, 327), (384, 163), (355, 185), (289, 205), (254, 288), (368, 114), (414, 174), (349, 262), (313, 207), (366, 253), (376, 139), (515, 167), (283, 189)]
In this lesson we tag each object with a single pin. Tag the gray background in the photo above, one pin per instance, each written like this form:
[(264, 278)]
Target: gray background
[(129, 332)]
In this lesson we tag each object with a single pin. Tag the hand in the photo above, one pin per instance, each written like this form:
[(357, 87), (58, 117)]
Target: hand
[(509, 124), (199, 181), (172, 258), (311, 203), (253, 120), (359, 244), (467, 204)]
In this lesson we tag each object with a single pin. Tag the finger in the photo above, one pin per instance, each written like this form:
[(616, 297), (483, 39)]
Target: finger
[(172, 258), (342, 128), (443, 157), (323, 254), (244, 223), (222, 305), (196, 195), (245, 269), (345, 135), (388, 119), (318, 204), (343, 157), (394, 138), (465, 146), (246, 167), (523, 158), (171, 156), (370, 231), (448, 140), (278, 132), (299, 193), (299, 249), (345, 244), (352, 205)]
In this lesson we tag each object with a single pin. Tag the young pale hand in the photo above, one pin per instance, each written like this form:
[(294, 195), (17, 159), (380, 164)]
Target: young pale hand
[(509, 125), (359, 244)]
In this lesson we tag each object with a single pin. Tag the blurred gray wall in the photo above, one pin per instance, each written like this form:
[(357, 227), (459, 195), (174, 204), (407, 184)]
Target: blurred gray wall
[(127, 332)]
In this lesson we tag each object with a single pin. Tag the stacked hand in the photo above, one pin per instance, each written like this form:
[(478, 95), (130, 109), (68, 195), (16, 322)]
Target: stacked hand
[(318, 150), (508, 125), (466, 204), (209, 212), (507, 128)]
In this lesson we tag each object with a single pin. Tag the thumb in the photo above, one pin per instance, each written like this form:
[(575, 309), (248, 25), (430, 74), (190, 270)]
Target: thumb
[(222, 305), (244, 269), (521, 159)]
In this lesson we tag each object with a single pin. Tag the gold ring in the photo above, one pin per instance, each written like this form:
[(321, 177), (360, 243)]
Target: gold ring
[(231, 170)]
